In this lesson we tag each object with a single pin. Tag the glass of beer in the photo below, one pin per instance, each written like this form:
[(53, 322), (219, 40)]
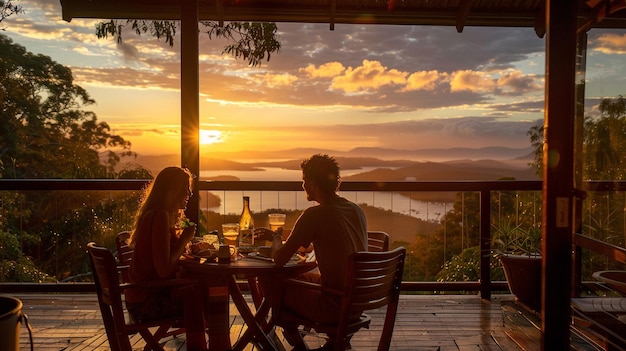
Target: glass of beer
[(231, 234), (277, 220)]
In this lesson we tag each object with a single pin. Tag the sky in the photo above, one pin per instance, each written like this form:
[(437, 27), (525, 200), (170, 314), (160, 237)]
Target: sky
[(397, 87)]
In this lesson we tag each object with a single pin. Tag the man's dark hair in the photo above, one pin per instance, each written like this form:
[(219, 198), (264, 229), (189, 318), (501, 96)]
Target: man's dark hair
[(323, 170)]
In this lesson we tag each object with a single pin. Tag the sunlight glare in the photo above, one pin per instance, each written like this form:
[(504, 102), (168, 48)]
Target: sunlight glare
[(210, 136)]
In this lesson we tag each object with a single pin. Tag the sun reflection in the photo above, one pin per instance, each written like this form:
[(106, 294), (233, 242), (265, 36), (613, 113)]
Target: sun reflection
[(210, 136)]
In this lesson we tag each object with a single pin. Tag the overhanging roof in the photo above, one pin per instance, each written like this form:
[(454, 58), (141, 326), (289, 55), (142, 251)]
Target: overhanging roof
[(458, 13)]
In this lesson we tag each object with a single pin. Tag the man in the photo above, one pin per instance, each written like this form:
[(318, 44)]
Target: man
[(336, 228)]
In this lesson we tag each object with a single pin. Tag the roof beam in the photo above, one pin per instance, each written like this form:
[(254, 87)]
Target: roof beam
[(600, 10), (461, 15), (527, 13), (304, 11), (333, 12)]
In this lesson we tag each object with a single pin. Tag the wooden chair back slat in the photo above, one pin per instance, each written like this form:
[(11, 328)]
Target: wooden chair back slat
[(110, 292), (372, 281), (377, 241), (124, 253)]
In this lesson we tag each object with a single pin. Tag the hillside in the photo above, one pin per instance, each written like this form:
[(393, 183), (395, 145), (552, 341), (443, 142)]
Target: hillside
[(434, 171), (378, 169), (436, 154)]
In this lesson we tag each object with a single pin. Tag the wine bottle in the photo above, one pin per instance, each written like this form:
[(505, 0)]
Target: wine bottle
[(246, 224)]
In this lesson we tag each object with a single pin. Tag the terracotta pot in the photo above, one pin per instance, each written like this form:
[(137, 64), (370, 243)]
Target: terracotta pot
[(523, 274)]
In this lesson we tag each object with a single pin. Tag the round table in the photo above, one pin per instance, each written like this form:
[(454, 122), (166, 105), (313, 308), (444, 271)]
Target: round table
[(219, 282)]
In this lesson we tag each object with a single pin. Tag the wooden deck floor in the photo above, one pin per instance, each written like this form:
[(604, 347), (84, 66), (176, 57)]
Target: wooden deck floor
[(442, 322)]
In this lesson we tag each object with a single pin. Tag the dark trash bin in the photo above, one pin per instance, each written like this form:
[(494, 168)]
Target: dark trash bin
[(10, 318)]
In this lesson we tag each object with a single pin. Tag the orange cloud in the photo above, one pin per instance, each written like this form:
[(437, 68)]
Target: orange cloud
[(468, 80), (369, 76), (517, 83), (611, 43), (424, 80), (327, 70), (277, 80)]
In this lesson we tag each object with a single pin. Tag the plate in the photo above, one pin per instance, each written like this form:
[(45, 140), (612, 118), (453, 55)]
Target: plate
[(247, 249), (208, 254)]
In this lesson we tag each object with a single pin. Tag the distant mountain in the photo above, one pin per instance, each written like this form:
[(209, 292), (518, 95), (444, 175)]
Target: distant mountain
[(157, 163), (438, 154), (344, 163), (445, 171), (389, 164)]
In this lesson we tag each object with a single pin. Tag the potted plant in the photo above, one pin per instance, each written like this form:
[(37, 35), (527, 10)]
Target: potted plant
[(519, 251)]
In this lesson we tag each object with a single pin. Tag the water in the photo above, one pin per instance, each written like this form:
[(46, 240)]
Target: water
[(296, 200)]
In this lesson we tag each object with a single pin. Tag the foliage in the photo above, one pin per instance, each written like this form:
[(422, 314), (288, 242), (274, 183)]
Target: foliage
[(14, 266), (465, 267), (250, 41), (459, 230), (44, 132), (508, 238), (603, 158), (462, 233), (604, 142), (536, 141), (7, 8)]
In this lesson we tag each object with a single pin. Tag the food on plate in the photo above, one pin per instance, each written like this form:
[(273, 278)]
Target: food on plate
[(203, 249)]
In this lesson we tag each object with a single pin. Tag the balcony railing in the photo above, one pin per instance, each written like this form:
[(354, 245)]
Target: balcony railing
[(273, 195)]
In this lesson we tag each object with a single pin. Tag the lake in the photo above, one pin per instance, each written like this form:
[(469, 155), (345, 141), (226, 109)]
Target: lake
[(296, 200)]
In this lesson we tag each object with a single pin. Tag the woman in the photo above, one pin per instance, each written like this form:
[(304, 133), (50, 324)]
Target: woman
[(158, 240)]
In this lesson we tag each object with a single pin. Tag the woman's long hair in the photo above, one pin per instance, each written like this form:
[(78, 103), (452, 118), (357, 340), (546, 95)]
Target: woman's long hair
[(163, 193)]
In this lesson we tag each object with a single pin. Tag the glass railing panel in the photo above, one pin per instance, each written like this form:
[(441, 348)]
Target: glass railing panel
[(435, 226), (604, 218), (47, 231)]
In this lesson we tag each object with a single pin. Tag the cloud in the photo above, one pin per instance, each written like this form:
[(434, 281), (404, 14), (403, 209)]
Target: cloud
[(326, 70), (369, 76), (277, 80), (473, 81), (509, 82), (424, 80), (129, 52), (515, 82), (610, 43), (430, 133), (534, 106), (380, 69), (391, 85), (125, 77)]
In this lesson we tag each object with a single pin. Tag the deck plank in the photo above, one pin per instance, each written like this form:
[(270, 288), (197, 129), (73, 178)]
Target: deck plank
[(424, 323)]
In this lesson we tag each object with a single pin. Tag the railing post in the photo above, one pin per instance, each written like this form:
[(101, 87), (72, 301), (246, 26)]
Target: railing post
[(485, 244)]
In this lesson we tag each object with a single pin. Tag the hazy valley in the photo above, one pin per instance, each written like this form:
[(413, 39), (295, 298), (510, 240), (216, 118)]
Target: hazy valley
[(377, 164)]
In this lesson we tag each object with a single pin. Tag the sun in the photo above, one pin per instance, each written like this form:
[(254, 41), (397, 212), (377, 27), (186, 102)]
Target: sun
[(210, 136)]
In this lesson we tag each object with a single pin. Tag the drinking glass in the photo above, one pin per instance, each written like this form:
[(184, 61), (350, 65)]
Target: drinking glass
[(231, 233), (277, 220)]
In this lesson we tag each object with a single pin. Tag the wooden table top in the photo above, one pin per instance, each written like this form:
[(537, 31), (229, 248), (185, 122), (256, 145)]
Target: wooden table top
[(243, 265)]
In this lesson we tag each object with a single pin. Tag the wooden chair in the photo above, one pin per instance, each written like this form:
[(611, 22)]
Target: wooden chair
[(372, 281), (110, 298), (600, 321), (124, 253), (377, 241)]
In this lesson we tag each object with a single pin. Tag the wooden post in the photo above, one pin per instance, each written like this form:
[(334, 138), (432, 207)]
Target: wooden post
[(558, 169), (190, 99)]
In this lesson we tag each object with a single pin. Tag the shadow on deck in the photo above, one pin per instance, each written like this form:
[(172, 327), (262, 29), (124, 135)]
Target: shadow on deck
[(424, 322)]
